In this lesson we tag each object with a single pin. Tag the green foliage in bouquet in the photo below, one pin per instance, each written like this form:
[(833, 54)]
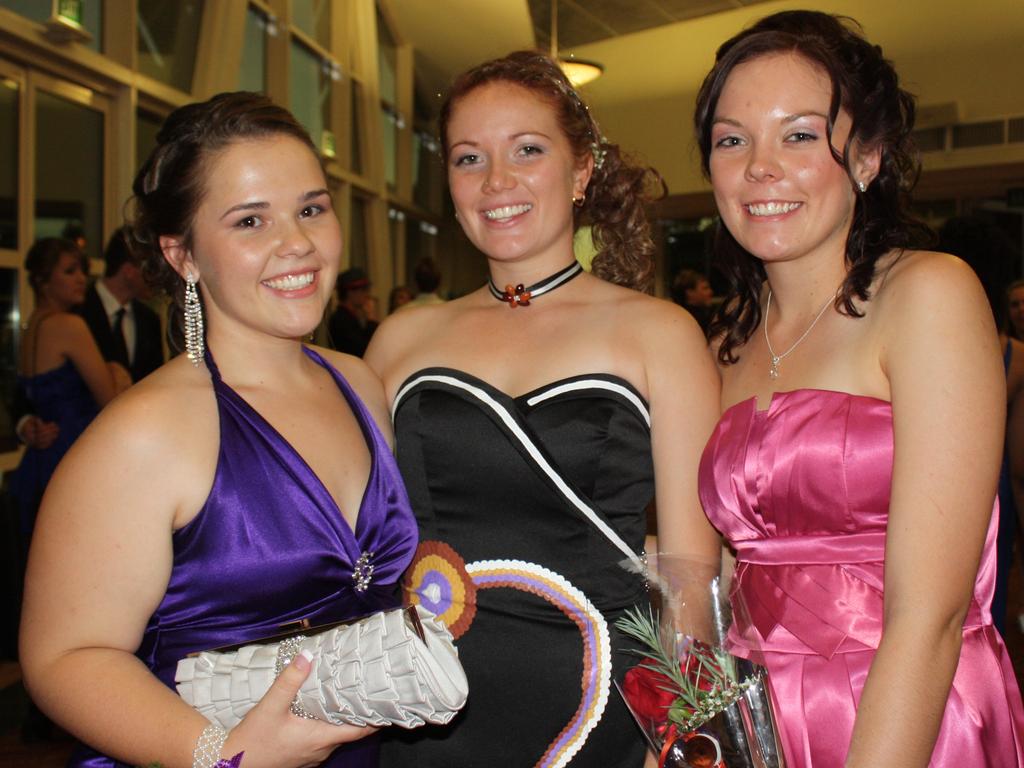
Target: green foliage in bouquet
[(696, 680)]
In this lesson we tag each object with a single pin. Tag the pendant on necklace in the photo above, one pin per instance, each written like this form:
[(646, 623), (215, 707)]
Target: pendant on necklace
[(516, 295), (773, 369)]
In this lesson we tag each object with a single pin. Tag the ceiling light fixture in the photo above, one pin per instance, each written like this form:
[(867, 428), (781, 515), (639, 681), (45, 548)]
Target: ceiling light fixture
[(579, 71)]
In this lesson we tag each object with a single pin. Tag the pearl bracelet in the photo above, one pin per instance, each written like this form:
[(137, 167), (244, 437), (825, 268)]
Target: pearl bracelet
[(208, 747)]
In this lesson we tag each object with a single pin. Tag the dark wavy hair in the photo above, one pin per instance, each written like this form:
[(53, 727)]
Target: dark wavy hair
[(171, 183), (865, 85), (618, 189), (42, 258)]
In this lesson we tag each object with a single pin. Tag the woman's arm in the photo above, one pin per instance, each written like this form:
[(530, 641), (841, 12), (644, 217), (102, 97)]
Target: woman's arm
[(941, 356), (99, 566), (683, 387)]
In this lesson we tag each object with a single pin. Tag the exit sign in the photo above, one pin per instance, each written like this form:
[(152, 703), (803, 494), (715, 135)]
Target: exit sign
[(70, 10)]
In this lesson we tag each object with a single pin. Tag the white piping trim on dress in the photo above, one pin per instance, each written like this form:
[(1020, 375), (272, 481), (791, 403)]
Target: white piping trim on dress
[(574, 386), (534, 453)]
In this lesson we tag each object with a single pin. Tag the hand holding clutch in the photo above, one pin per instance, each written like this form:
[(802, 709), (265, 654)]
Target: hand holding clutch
[(395, 667)]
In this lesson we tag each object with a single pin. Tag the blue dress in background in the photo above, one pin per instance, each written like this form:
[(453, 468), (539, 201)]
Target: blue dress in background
[(61, 396), (270, 547)]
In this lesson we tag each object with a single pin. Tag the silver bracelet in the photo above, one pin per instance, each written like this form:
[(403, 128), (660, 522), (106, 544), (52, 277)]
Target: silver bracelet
[(208, 747)]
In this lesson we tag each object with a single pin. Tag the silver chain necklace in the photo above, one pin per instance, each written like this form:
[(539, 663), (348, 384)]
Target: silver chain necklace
[(773, 369)]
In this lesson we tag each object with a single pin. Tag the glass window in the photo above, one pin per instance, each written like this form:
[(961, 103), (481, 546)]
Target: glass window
[(314, 18), (387, 61), (355, 133), (147, 126), (168, 34), (253, 75), (420, 243), (8, 163), (69, 172), (427, 171), (396, 226), (9, 337), (358, 245), (30, 9), (310, 91), (388, 123)]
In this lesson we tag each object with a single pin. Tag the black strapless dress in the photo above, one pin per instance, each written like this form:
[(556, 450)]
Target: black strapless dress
[(527, 509)]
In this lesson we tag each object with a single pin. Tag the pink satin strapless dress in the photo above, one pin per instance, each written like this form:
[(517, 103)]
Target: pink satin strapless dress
[(801, 491)]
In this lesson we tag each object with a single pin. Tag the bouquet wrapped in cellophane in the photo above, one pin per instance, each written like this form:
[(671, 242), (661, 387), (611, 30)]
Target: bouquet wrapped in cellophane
[(697, 704)]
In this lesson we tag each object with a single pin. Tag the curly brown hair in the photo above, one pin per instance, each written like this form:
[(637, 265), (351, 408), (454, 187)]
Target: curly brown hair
[(865, 85), (618, 188), (171, 183)]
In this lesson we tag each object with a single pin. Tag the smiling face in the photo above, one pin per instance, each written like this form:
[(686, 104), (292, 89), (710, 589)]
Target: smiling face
[(513, 175), (266, 243), (778, 188), (65, 288)]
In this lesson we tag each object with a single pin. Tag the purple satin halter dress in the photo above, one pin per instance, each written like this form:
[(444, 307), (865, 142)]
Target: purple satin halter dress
[(801, 490), (270, 547)]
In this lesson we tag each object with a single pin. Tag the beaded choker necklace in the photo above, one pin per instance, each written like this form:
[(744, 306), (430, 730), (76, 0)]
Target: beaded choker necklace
[(520, 296)]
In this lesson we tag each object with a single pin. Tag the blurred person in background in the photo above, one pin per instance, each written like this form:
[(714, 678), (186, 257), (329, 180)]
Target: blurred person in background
[(1015, 310), (398, 298), (353, 323), (428, 279), (692, 291), (61, 373), (125, 328)]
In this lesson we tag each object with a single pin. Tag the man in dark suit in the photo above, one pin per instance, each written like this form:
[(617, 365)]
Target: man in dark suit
[(125, 329)]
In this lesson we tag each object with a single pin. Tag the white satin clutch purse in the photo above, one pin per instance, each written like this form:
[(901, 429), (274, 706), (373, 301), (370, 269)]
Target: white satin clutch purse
[(395, 667)]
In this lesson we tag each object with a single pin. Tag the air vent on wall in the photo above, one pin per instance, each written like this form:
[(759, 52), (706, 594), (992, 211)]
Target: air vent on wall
[(954, 136), (978, 134), (1015, 130)]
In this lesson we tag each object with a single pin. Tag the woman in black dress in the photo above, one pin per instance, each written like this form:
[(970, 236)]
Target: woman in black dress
[(536, 418)]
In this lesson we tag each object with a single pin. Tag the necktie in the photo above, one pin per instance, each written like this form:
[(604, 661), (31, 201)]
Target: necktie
[(120, 349)]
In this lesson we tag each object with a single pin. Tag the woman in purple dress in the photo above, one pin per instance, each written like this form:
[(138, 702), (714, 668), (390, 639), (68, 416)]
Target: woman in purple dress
[(217, 503)]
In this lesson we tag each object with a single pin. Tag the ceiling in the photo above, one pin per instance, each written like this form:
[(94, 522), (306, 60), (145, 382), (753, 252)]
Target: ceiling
[(658, 46), (655, 54), (590, 21)]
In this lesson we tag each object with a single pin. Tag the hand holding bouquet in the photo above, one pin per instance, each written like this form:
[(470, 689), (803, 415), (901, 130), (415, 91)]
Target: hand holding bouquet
[(698, 705)]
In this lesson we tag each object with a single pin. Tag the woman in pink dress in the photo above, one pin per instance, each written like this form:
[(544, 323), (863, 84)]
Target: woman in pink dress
[(854, 467)]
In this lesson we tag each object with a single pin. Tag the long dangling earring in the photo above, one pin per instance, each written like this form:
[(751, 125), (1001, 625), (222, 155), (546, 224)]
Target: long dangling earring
[(195, 343)]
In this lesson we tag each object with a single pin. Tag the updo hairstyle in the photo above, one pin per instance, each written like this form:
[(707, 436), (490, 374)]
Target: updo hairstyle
[(169, 187), (43, 256), (864, 84), (618, 190)]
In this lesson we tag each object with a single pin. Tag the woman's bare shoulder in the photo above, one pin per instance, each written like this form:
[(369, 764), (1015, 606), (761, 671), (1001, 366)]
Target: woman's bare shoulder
[(61, 325), (166, 408), (658, 321), (358, 374), (921, 271), (407, 330)]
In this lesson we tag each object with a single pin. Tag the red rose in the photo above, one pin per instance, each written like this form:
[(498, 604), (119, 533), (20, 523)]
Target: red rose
[(644, 689)]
